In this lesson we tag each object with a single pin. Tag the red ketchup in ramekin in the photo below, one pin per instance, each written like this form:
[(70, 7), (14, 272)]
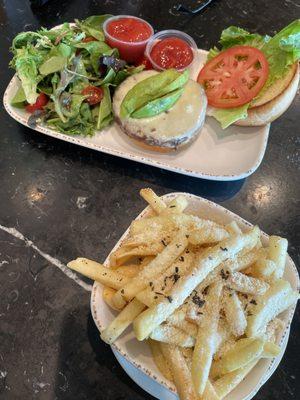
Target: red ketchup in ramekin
[(129, 35), (172, 53), (171, 49)]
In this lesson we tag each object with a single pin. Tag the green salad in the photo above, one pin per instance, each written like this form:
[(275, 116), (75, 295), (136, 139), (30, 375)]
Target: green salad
[(67, 76)]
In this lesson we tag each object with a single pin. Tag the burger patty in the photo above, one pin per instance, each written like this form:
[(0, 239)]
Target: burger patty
[(171, 128)]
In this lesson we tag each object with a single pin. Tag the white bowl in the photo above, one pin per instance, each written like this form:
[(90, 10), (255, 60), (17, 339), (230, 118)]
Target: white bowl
[(135, 357)]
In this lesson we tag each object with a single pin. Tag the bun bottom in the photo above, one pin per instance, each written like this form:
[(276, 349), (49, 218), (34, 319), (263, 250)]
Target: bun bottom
[(268, 112)]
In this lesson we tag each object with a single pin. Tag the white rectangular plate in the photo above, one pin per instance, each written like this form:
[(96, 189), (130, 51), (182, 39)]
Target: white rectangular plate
[(217, 154), (137, 354)]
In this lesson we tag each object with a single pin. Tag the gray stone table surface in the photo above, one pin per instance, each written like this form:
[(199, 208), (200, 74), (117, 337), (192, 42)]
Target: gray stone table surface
[(71, 201)]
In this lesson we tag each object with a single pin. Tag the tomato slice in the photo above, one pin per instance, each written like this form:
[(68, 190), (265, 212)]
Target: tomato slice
[(41, 101), (234, 77), (94, 93)]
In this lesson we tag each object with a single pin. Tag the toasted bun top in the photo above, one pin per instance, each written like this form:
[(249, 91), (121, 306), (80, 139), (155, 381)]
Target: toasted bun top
[(276, 88), (272, 110), (170, 128)]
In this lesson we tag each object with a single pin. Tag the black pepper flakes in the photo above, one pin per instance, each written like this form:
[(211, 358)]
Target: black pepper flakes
[(253, 302), (122, 291), (181, 258), (172, 206), (170, 299), (224, 274), (150, 284), (197, 300), (223, 248), (176, 269), (164, 243), (205, 291)]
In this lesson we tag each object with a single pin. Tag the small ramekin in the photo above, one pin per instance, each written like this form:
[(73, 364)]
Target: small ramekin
[(135, 50), (169, 33)]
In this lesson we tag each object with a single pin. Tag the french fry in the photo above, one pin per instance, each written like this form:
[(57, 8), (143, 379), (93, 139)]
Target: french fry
[(155, 202), (270, 350), (277, 299), (123, 254), (225, 345), (213, 234), (223, 335), (163, 284), (246, 284), (107, 295), (167, 333), (152, 270), (180, 372), (170, 223), (228, 382), (277, 253), (205, 346), (178, 315), (209, 392), (234, 313), (244, 261), (128, 270), (176, 206), (144, 238), (237, 264), (263, 268), (243, 352), (187, 327), (233, 228), (272, 328), (122, 321), (145, 261), (98, 272), (145, 323), (159, 359), (194, 314)]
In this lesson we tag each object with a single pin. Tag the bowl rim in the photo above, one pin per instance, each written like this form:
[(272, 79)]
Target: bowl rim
[(168, 385)]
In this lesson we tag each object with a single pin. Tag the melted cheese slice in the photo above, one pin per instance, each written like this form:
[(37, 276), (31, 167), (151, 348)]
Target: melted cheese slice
[(170, 128)]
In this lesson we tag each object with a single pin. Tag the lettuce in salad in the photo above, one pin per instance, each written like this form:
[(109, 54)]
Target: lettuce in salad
[(281, 51), (61, 63)]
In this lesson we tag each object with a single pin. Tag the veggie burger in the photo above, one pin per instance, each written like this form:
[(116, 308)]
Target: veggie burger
[(252, 79)]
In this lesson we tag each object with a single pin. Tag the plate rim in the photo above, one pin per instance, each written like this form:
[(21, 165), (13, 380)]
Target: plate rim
[(12, 111), (168, 385)]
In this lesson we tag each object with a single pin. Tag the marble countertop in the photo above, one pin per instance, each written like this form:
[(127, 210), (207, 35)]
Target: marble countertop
[(59, 201)]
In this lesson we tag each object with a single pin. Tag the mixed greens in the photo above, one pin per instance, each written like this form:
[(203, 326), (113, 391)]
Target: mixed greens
[(67, 76), (154, 95), (281, 51)]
